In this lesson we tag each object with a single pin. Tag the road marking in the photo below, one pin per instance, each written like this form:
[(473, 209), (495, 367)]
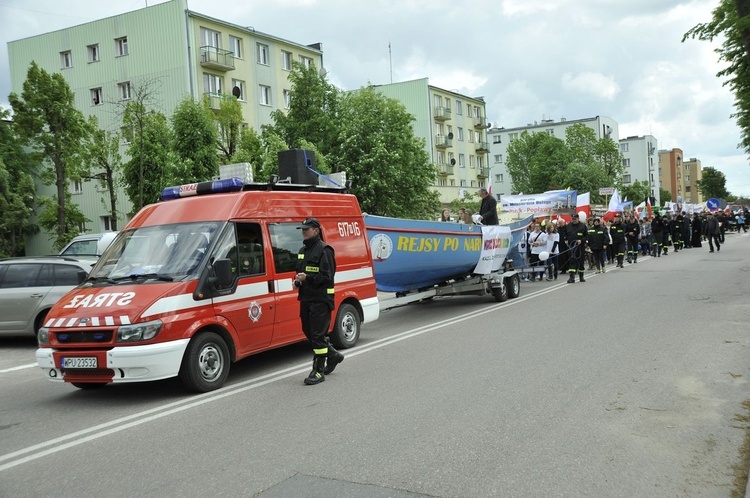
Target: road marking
[(52, 446), (19, 367)]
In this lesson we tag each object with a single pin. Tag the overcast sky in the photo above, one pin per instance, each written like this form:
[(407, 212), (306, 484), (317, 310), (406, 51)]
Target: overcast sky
[(529, 59)]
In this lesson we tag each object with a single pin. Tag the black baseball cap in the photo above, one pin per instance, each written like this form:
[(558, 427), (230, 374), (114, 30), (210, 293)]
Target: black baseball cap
[(310, 223)]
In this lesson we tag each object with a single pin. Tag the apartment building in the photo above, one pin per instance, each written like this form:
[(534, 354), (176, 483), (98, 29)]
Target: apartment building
[(687, 181), (500, 137), (454, 127), (640, 162), (176, 53)]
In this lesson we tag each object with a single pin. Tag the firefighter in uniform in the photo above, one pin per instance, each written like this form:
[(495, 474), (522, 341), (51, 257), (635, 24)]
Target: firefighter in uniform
[(316, 268), (632, 232), (617, 232), (576, 235), (657, 228), (676, 229)]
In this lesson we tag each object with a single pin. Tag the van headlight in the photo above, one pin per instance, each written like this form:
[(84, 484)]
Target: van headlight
[(138, 331), (42, 336)]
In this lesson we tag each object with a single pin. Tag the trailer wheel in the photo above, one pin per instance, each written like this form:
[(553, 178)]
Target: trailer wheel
[(513, 284), (205, 366), (346, 328), (501, 293)]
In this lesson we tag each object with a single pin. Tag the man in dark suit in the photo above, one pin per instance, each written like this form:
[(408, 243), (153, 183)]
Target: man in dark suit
[(488, 208)]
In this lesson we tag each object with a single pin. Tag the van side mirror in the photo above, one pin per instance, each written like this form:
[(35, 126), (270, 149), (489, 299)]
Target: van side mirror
[(223, 272)]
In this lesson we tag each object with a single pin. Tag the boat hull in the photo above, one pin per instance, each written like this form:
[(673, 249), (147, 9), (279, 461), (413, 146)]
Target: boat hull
[(414, 254)]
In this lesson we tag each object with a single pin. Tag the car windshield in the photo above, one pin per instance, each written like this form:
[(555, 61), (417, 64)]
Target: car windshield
[(164, 252)]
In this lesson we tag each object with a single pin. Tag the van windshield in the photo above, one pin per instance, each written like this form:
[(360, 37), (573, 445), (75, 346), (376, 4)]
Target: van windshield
[(174, 251)]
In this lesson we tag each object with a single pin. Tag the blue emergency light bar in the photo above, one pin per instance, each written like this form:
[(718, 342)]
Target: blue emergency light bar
[(202, 188)]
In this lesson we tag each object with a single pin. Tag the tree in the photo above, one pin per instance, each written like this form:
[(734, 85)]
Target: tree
[(637, 192), (713, 184), (229, 119), (102, 160), (152, 164), (539, 162), (389, 166), (194, 141), (74, 218), (731, 23), (535, 161), (312, 113), (250, 149), (46, 118)]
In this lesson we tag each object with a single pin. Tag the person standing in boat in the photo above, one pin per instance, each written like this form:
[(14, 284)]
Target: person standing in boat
[(488, 208)]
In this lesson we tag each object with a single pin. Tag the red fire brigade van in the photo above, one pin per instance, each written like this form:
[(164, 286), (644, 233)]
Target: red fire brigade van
[(203, 279)]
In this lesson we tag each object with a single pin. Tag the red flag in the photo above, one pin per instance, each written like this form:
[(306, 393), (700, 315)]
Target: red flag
[(648, 207)]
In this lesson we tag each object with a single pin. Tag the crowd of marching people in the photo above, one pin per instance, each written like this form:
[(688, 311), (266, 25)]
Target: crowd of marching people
[(553, 247)]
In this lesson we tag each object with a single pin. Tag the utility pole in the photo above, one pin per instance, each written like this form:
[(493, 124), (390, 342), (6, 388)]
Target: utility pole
[(390, 60)]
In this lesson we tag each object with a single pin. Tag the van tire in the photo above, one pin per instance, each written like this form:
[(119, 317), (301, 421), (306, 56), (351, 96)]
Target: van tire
[(346, 328), (205, 366)]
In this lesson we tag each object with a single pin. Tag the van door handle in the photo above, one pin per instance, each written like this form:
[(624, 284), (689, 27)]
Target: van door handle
[(37, 295)]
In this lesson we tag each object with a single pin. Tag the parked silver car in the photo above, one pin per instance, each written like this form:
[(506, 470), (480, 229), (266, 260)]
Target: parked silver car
[(30, 286)]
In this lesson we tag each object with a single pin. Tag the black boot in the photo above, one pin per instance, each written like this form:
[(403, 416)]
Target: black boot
[(317, 375), (580, 277), (333, 359), (572, 278)]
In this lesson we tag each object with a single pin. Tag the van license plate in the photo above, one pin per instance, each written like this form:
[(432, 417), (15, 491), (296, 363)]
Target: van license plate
[(80, 362)]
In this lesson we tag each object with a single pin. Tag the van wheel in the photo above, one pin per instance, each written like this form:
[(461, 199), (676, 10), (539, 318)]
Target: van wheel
[(346, 329), (89, 385), (205, 366), (513, 284)]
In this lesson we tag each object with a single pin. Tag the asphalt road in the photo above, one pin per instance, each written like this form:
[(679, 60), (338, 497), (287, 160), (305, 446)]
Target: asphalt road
[(630, 384)]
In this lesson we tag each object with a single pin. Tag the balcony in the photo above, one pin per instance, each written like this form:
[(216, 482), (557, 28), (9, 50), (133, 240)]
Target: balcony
[(216, 58), (442, 141), (442, 113), (480, 122), (445, 169), (483, 172), (215, 99), (482, 147)]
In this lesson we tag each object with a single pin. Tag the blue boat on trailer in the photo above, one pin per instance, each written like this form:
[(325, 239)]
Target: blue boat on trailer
[(411, 255)]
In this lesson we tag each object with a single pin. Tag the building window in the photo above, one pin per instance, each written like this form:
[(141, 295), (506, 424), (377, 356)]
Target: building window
[(687, 189), (512, 136), (474, 184), (471, 160), (265, 95), (76, 186), (447, 104), (460, 134), (625, 178), (471, 137), (441, 157), (306, 61), (478, 136), (66, 59), (451, 158), (210, 38), (551, 132), (439, 129), (498, 158), (262, 54), (480, 162), (287, 99), (93, 51), (624, 147), (687, 178), (453, 182), (96, 96), (212, 83), (235, 45), (438, 100), (462, 183), (441, 182), (286, 60), (126, 135), (123, 89), (238, 89), (459, 108), (499, 178), (461, 161), (626, 163), (107, 224), (496, 139), (121, 46)]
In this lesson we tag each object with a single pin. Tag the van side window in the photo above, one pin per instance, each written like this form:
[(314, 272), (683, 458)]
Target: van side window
[(250, 249), (286, 241)]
